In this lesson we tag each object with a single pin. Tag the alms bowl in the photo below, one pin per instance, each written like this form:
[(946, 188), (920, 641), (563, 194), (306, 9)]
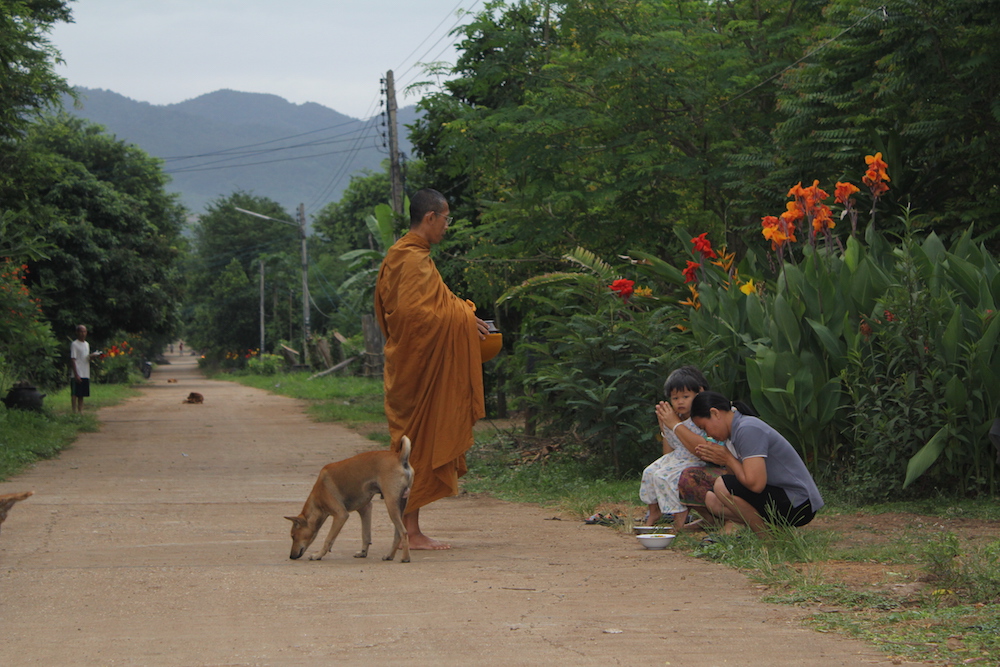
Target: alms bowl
[(490, 346), (655, 540), (647, 530)]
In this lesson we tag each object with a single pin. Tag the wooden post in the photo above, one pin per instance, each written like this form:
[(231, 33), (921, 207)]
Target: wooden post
[(374, 346)]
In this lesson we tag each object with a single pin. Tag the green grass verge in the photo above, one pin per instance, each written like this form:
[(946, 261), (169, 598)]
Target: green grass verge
[(27, 437), (355, 402)]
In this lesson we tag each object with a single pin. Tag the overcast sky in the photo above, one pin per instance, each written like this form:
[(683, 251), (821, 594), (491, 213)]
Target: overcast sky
[(333, 52)]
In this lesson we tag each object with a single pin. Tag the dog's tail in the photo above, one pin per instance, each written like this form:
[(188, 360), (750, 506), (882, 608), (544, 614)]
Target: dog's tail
[(404, 460), (404, 452)]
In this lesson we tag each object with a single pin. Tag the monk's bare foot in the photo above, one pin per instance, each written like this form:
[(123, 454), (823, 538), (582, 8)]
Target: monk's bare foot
[(423, 543)]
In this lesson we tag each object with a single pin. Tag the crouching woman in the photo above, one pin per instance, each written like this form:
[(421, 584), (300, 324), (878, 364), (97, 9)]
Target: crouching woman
[(770, 483)]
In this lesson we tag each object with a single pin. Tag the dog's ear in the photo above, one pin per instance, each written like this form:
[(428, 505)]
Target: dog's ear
[(297, 520)]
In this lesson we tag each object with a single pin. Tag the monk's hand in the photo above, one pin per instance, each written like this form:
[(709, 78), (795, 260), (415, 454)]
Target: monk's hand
[(483, 328)]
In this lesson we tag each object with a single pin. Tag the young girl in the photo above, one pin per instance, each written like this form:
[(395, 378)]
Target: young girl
[(659, 487), (769, 481)]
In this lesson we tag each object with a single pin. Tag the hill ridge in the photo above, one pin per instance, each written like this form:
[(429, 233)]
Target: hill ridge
[(227, 140)]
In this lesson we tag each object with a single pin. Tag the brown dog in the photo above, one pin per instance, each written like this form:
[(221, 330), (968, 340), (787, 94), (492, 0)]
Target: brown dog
[(349, 486), (194, 397), (7, 501)]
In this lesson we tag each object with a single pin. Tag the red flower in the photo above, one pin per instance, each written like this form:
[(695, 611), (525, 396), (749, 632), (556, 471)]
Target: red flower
[(623, 287), (704, 246), (690, 273)]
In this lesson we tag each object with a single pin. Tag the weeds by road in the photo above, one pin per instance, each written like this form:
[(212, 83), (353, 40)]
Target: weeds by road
[(27, 436)]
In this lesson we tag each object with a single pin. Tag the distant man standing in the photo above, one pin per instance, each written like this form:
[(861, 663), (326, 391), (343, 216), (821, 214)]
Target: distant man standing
[(80, 356), (433, 364)]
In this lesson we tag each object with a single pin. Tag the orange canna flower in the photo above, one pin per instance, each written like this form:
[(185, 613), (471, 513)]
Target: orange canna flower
[(793, 213), (843, 192), (876, 176), (823, 219), (876, 163)]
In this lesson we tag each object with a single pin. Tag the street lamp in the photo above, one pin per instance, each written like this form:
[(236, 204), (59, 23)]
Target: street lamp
[(305, 271)]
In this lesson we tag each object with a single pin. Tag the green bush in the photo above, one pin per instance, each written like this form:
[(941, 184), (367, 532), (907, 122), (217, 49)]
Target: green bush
[(265, 364)]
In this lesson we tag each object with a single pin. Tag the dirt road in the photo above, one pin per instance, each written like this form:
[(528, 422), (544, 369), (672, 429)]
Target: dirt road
[(160, 541)]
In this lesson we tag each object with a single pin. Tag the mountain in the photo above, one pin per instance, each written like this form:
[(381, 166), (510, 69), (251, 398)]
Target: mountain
[(225, 141)]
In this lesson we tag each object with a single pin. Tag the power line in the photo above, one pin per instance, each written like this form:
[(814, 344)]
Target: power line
[(454, 25), (251, 164), (261, 143), (451, 13)]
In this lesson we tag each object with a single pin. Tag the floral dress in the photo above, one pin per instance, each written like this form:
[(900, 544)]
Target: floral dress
[(679, 480), (660, 478)]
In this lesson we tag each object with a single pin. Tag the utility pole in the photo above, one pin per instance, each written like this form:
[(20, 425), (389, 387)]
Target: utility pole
[(260, 352), (395, 173), (305, 271), (306, 331)]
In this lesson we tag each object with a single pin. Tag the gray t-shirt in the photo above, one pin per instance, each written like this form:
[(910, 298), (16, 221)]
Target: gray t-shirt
[(752, 437)]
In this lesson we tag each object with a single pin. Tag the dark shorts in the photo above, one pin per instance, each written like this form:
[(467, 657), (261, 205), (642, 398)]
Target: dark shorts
[(80, 388), (772, 503)]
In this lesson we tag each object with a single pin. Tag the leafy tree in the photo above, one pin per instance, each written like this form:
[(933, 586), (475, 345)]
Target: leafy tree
[(113, 231), (342, 224), (605, 124), (224, 239), (225, 322), (28, 82)]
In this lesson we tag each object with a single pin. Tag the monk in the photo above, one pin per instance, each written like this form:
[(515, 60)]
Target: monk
[(433, 364)]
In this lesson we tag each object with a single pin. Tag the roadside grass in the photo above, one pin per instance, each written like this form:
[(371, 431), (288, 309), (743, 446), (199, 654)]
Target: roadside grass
[(27, 437), (949, 615), (353, 401)]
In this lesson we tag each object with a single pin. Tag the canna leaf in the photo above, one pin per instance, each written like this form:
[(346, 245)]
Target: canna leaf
[(951, 338), (787, 323), (925, 458)]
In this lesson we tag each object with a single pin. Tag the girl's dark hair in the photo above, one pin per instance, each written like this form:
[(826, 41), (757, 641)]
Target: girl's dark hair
[(685, 377), (703, 403)]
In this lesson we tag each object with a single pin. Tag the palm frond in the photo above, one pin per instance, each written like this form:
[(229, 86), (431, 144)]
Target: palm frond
[(541, 281), (591, 262)]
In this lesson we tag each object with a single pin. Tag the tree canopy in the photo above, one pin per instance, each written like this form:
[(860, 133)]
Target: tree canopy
[(113, 231)]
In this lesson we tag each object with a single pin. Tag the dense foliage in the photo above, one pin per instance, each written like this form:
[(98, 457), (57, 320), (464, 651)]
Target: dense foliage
[(223, 311), (629, 128), (88, 234), (114, 231)]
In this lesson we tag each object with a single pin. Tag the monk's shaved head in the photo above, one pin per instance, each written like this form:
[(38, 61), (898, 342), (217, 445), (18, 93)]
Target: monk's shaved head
[(423, 202)]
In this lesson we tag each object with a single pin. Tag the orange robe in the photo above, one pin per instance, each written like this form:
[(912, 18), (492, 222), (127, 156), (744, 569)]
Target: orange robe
[(433, 368)]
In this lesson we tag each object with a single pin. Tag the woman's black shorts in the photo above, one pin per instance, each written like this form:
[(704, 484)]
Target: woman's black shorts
[(772, 503)]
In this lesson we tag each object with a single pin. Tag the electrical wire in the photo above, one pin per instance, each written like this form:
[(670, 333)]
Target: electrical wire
[(260, 143)]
